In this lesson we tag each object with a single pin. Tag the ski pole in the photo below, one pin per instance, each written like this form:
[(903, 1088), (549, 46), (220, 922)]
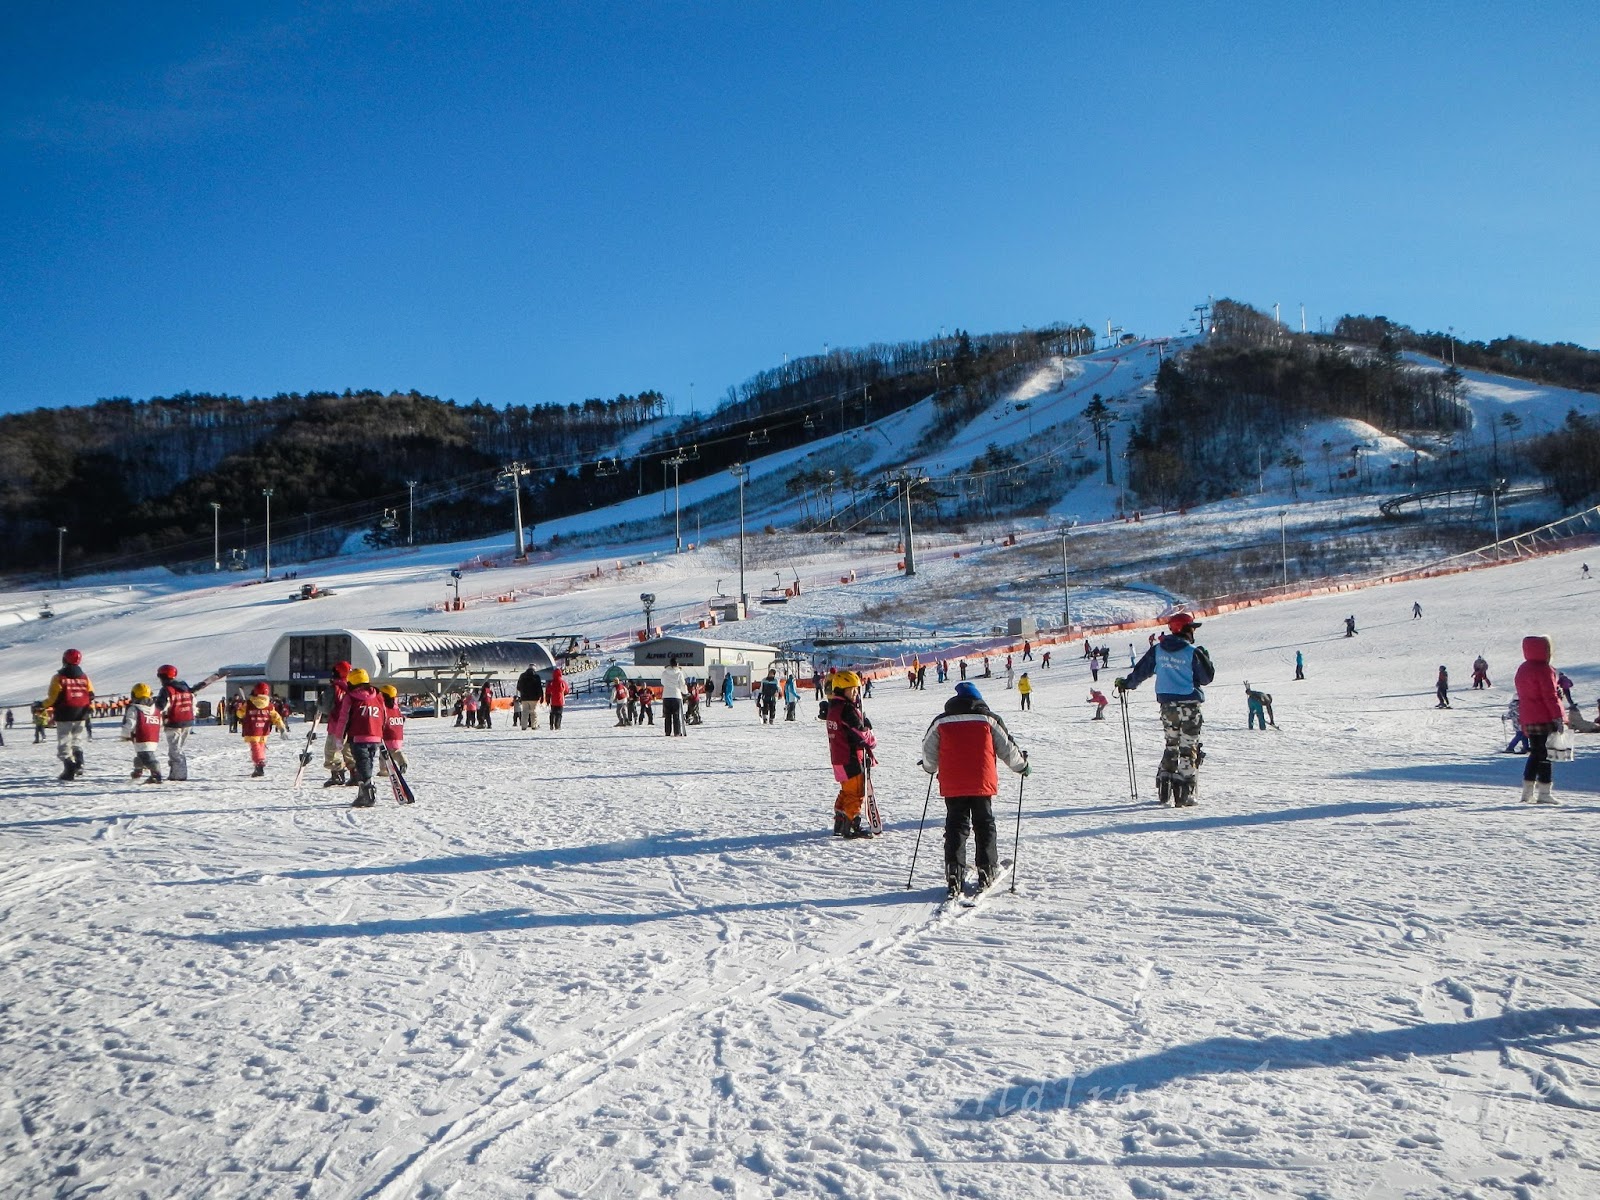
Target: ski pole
[(927, 800), (1016, 843), (1127, 746)]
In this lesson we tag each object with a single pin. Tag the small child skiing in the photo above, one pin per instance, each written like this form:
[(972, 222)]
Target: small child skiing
[(141, 725), (1098, 699), (394, 730), (259, 720)]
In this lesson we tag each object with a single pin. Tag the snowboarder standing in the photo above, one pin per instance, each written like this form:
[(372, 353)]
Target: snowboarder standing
[(961, 748), (360, 717), (1540, 713), (260, 719), (141, 725), (71, 699), (1181, 670), (1441, 687), (850, 744)]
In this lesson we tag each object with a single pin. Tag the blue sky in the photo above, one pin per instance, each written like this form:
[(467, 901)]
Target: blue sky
[(533, 202)]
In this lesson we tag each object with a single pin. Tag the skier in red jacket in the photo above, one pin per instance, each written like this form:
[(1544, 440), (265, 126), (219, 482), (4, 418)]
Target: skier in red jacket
[(961, 747), (1540, 712)]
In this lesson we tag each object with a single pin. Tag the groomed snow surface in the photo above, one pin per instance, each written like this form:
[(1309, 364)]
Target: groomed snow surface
[(603, 963)]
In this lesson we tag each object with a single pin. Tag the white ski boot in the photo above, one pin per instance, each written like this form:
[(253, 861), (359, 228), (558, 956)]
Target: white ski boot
[(1547, 794), (1527, 791)]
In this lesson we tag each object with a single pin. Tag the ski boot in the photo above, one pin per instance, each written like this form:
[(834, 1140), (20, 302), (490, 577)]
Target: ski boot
[(69, 770), (840, 824), (155, 777), (952, 886), (77, 763), (1527, 791), (335, 777), (259, 772), (1164, 790), (855, 829), (1547, 794), (366, 797), (138, 773)]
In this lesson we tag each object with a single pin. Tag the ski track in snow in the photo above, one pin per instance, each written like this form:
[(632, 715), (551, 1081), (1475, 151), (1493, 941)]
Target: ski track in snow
[(604, 963)]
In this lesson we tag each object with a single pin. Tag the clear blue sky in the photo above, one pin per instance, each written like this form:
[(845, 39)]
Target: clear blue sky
[(527, 202)]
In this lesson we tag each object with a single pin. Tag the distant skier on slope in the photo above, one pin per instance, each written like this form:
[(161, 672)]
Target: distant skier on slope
[(850, 745), (1350, 629), (1441, 687), (961, 748), (1181, 670)]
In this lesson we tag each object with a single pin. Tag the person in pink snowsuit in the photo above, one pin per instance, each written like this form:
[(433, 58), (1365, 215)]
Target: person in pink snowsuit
[(1541, 713)]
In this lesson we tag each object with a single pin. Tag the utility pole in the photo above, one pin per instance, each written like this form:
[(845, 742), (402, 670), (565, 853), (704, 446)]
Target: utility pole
[(266, 570), (1283, 544), (216, 536), (61, 554), (411, 514)]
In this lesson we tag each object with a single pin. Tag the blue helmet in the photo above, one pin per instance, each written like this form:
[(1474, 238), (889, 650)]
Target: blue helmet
[(969, 690)]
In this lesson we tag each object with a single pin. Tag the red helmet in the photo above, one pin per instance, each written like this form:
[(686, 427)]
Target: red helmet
[(262, 689), (341, 669), (1179, 622), (72, 658), (167, 672)]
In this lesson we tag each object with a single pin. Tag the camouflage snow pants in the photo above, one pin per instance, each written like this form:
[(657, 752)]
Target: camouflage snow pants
[(1178, 775)]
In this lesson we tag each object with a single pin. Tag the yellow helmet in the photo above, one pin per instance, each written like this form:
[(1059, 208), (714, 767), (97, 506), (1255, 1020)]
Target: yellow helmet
[(845, 680), (357, 675), (389, 690), (141, 691)]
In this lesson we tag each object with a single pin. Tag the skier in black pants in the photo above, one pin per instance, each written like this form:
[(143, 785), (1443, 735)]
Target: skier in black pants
[(961, 747), (768, 700), (1181, 670)]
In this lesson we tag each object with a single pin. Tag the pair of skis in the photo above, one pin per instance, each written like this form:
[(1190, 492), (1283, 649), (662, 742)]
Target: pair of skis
[(398, 783)]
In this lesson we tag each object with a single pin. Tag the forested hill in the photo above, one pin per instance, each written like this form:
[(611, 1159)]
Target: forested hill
[(157, 482), (135, 481)]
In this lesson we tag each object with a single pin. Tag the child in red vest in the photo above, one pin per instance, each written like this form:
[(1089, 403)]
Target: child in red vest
[(394, 729), (141, 725), (259, 720)]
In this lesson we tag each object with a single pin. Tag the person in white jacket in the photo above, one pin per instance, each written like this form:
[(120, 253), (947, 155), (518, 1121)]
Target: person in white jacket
[(672, 685)]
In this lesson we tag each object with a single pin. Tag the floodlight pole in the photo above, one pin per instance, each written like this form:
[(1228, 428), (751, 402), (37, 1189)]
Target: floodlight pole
[(266, 571), (1283, 544), (740, 472), (61, 552), (216, 536), (1066, 588), (411, 514), (676, 461)]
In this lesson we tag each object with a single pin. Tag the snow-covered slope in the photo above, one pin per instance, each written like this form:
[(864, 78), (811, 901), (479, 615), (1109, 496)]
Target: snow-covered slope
[(604, 963)]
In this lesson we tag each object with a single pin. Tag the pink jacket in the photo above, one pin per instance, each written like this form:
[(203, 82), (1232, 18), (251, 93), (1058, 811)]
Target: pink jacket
[(1538, 702)]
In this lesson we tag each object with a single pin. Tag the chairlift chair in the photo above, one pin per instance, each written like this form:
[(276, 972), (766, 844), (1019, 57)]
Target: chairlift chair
[(606, 466), (808, 424)]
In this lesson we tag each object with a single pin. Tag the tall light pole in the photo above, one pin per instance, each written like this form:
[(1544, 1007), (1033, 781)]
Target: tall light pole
[(740, 472), (1283, 544), (1066, 589), (267, 569), (510, 480), (411, 514), (1494, 504), (676, 461), (61, 551), (216, 536)]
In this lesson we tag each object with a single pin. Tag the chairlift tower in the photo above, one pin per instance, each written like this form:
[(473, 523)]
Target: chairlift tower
[(510, 480)]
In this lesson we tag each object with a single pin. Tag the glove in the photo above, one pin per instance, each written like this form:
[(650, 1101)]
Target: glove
[(869, 739), (1120, 684), (1027, 769)]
